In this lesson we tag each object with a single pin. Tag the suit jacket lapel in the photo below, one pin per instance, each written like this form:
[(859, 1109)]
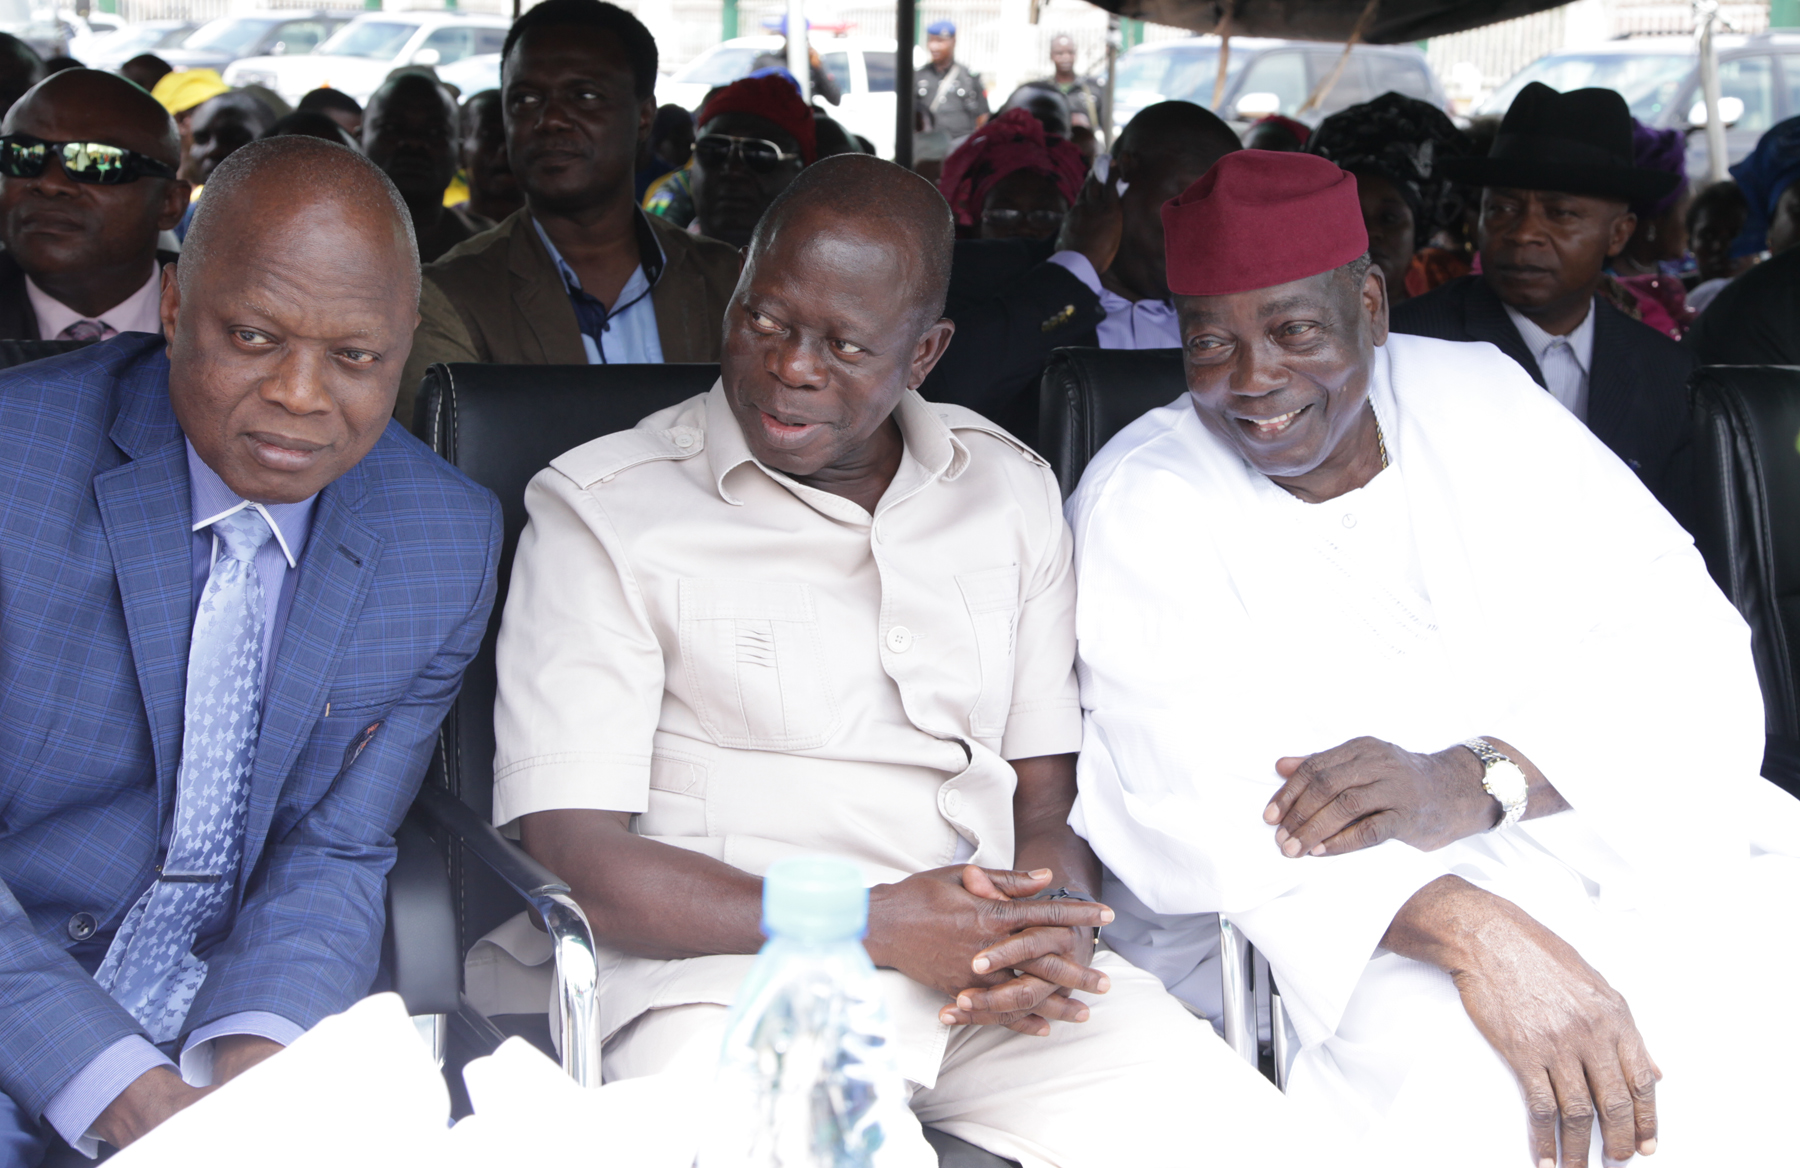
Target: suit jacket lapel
[(542, 302), (146, 509), (1486, 320), (336, 569), (1609, 380)]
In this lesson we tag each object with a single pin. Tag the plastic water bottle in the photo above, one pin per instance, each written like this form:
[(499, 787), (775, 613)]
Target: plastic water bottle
[(807, 1077)]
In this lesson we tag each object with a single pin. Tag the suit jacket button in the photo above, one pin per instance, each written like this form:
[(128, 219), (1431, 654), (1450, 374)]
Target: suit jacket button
[(81, 926)]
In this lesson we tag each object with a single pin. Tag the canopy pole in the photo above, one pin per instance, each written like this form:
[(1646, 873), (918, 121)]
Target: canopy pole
[(905, 37), (1331, 79), (799, 48), (1222, 30), (1112, 79), (1706, 15)]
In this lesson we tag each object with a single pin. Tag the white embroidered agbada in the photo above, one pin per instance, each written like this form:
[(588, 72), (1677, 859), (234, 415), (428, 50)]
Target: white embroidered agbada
[(1507, 576)]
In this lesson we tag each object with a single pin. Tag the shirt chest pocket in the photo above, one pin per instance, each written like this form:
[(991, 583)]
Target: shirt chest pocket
[(992, 598), (755, 665)]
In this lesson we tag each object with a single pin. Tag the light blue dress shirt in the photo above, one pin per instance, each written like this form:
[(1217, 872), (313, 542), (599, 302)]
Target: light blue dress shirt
[(1129, 324), (629, 335), (73, 1110)]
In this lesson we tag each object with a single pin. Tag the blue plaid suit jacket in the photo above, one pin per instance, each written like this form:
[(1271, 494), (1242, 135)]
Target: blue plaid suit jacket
[(391, 602)]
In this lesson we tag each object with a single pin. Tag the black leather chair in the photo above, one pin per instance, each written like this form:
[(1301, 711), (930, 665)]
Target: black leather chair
[(500, 425), (1088, 395), (1747, 526), (16, 352)]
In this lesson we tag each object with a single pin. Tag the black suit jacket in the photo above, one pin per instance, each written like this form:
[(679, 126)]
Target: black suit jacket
[(1011, 307), (1755, 319), (1638, 401), (17, 320)]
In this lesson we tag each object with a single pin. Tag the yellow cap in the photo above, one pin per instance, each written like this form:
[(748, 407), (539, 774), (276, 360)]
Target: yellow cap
[(182, 91)]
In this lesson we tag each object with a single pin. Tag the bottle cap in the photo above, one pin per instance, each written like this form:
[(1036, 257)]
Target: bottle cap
[(815, 898)]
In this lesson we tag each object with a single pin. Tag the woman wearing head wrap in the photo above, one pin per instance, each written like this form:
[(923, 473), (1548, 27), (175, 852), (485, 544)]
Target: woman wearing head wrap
[(1393, 145), (1660, 237), (1768, 178), (1009, 180)]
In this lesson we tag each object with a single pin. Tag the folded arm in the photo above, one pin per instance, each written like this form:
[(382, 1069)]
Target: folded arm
[(1367, 792)]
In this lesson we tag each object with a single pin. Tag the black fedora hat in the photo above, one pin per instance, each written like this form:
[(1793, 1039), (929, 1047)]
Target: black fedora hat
[(1579, 142)]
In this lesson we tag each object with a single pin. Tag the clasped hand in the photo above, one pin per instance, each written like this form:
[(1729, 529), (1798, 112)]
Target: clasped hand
[(1367, 791), (973, 934)]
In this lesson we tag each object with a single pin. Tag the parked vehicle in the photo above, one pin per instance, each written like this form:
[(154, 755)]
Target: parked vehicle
[(1659, 78), (863, 68), (289, 32), (471, 75), (82, 34), (147, 36), (35, 22), (360, 55), (1265, 76)]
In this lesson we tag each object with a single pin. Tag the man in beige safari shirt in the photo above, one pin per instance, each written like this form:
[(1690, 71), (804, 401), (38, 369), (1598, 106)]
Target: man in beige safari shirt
[(811, 612)]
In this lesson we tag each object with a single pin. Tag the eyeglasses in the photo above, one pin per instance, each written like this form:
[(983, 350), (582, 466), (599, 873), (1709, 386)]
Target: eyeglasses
[(1036, 220), (22, 156), (760, 155)]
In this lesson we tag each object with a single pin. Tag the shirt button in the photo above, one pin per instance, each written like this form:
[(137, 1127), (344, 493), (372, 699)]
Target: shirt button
[(899, 638), (684, 440), (81, 926), (953, 802), (1349, 520)]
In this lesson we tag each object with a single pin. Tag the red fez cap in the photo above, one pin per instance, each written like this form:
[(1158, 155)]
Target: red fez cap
[(773, 97), (1260, 218)]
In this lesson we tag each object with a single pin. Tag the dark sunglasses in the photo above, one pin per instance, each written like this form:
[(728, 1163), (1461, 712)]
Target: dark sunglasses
[(22, 156), (759, 154), (1007, 217)]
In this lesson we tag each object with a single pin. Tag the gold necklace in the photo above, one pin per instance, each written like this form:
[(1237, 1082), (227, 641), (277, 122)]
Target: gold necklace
[(1380, 441)]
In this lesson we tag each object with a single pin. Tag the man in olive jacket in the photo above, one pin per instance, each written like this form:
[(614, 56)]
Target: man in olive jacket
[(580, 274)]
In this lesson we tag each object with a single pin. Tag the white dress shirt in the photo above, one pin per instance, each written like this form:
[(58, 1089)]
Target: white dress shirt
[(1565, 361), (140, 312), (1129, 324)]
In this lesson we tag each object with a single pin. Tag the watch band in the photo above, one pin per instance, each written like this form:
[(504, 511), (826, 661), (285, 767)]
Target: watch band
[(1511, 791)]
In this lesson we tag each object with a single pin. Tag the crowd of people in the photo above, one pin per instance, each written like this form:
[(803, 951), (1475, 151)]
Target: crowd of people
[(1387, 639)]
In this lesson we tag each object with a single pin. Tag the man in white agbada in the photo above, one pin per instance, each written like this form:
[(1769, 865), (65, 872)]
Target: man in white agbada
[(1302, 590)]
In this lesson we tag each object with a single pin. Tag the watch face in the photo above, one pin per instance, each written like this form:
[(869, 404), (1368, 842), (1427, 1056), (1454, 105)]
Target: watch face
[(1507, 783)]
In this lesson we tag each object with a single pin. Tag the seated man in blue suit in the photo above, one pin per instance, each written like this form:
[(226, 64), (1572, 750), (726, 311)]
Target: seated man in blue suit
[(235, 603)]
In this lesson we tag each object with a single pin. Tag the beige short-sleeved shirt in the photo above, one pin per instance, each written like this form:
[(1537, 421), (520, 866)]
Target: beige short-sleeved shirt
[(756, 668)]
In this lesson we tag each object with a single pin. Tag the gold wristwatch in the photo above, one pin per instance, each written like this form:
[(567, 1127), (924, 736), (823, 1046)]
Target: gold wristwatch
[(1503, 779)]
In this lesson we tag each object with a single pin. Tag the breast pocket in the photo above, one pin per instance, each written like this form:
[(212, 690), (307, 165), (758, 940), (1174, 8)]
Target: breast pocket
[(992, 598), (755, 664)]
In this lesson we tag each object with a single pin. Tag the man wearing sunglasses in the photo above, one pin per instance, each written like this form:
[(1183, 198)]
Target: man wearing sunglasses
[(87, 183), (755, 136)]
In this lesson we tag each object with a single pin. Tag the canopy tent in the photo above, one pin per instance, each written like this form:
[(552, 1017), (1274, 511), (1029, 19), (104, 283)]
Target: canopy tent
[(1392, 21)]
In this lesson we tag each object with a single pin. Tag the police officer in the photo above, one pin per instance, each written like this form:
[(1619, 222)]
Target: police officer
[(954, 95)]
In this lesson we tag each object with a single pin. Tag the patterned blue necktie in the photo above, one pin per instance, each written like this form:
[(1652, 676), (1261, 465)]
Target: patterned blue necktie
[(150, 969)]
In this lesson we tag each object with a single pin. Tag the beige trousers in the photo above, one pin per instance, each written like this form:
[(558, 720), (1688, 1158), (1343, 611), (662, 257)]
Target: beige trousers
[(1141, 1082)]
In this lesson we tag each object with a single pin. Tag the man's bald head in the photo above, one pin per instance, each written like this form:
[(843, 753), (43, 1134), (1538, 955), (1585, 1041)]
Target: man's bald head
[(837, 314), (1163, 151), (1178, 129), (90, 245), (864, 194), (265, 186), (86, 105), (291, 316)]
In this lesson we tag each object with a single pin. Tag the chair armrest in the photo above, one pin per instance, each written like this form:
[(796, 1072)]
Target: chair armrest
[(1236, 994), (571, 940), (422, 964)]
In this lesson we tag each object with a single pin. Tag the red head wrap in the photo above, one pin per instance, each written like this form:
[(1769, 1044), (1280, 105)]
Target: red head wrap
[(1013, 141), (1260, 218), (771, 97)]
